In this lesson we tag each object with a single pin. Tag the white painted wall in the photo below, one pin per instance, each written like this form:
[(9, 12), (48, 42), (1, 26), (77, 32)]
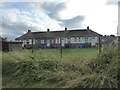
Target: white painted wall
[(92, 40), (25, 42), (59, 40)]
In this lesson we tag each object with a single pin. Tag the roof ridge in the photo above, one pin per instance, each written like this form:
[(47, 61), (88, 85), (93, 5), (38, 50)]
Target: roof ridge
[(60, 30)]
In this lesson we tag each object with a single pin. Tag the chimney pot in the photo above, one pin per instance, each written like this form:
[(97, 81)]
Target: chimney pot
[(29, 31), (48, 30), (65, 29), (87, 27)]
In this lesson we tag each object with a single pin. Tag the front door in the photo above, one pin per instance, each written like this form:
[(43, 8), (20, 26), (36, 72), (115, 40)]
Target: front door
[(48, 43), (63, 43)]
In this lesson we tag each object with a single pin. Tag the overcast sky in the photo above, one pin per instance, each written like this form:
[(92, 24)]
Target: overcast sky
[(17, 17)]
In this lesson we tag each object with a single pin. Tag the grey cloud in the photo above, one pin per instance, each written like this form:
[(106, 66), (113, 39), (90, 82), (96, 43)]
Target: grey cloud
[(112, 2), (53, 9), (75, 22), (14, 29), (9, 35)]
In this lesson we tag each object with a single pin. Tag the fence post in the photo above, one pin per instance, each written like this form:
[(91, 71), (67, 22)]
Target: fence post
[(32, 45), (61, 47), (99, 45), (90, 42), (10, 43)]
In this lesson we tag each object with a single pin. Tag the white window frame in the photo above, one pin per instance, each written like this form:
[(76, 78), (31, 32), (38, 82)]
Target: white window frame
[(42, 41), (52, 41), (30, 41)]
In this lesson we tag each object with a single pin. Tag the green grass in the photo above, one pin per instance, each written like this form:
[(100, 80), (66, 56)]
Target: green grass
[(79, 68), (69, 54)]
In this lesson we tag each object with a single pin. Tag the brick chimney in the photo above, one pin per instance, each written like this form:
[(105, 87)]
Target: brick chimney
[(65, 29), (48, 30)]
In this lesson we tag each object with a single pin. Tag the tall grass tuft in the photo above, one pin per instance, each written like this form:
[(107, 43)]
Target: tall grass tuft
[(104, 71)]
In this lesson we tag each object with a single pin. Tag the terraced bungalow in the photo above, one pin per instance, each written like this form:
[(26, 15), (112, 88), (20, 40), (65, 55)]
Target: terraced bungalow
[(78, 38)]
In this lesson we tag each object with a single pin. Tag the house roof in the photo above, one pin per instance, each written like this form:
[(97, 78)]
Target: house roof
[(59, 34), (2, 39)]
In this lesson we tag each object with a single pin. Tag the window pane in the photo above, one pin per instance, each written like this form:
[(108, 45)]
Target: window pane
[(68, 40), (30, 41), (75, 39), (42, 41), (52, 41)]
